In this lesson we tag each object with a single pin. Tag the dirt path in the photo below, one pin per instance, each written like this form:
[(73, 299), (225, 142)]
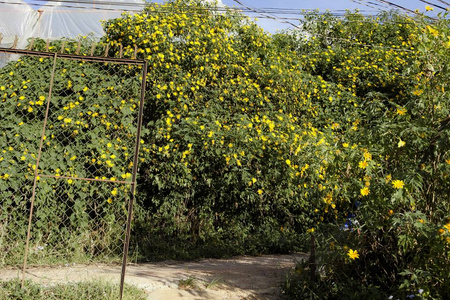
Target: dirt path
[(241, 277)]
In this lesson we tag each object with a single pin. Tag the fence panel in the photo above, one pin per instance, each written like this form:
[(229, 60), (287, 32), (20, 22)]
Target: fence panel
[(22, 111), (69, 143)]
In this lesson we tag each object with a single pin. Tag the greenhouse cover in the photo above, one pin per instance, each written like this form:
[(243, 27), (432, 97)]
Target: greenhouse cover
[(49, 19), (57, 19)]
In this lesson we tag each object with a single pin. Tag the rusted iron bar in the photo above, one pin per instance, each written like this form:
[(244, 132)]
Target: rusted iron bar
[(126, 61), (134, 174), (33, 196)]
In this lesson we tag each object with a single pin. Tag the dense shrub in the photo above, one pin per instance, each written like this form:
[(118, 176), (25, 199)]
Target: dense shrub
[(231, 156), (232, 152), (397, 69)]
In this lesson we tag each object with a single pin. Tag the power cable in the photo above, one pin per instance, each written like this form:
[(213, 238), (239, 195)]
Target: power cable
[(432, 4), (371, 4), (139, 7), (444, 2), (198, 10), (267, 16), (127, 6)]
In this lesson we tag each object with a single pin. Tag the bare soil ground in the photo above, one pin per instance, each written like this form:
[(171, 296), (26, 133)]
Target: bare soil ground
[(243, 277)]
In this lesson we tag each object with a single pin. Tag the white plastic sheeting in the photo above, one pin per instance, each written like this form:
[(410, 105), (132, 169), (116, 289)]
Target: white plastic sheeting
[(17, 18), (70, 19), (58, 19), (53, 19)]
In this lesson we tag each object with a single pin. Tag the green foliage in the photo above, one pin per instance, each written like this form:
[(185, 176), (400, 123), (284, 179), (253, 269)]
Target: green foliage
[(90, 133), (397, 70), (231, 151), (83, 290)]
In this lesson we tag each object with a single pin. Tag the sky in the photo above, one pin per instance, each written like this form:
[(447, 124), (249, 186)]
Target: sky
[(291, 8), (337, 6)]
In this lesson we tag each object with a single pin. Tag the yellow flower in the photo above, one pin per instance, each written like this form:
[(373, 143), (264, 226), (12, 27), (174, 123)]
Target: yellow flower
[(353, 254), (418, 92), (401, 143), (362, 164), (109, 200), (401, 111), (365, 191), (429, 8), (114, 192), (447, 226), (260, 192), (447, 161), (433, 31), (345, 145), (388, 178), (398, 184), (288, 162), (367, 156)]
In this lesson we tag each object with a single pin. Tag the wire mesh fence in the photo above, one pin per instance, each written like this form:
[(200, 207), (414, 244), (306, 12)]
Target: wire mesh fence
[(69, 146)]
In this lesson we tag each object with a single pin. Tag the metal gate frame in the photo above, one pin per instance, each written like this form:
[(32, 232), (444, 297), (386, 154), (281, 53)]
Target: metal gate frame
[(132, 183)]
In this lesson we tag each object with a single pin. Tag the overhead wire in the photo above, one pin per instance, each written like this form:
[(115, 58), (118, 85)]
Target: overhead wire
[(338, 39), (101, 5), (444, 2), (371, 4), (274, 10), (433, 4), (263, 13), (197, 10), (396, 6)]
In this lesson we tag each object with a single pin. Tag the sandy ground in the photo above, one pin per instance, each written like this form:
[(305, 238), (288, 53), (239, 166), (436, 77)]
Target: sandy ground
[(243, 277)]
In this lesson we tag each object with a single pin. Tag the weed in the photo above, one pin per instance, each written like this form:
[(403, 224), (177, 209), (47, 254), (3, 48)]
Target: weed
[(215, 281), (94, 290), (188, 283)]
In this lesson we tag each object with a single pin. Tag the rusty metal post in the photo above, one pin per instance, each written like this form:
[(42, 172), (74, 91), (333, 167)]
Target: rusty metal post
[(33, 196), (133, 185)]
